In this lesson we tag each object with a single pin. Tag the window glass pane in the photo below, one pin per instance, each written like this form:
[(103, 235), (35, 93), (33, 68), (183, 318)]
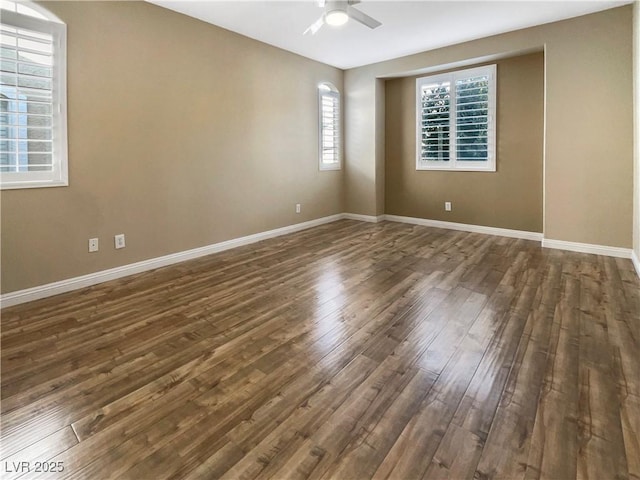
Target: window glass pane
[(37, 159), (8, 78), (8, 66), (35, 133), (8, 53), (472, 118), (25, 95), (26, 107), (37, 120), (6, 159), (435, 105), (34, 83), (35, 146), (40, 168), (34, 70)]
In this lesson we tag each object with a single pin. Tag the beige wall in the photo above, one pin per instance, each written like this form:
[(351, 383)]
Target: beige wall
[(511, 197), (381, 118), (181, 134), (636, 130), (588, 137), (361, 132)]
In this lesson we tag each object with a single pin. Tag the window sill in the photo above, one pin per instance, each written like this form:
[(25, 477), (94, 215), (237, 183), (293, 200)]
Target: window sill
[(35, 184)]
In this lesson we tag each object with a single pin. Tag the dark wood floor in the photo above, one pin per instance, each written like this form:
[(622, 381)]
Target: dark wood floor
[(346, 351)]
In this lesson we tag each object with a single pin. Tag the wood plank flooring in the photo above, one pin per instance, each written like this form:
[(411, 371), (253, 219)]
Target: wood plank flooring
[(346, 351)]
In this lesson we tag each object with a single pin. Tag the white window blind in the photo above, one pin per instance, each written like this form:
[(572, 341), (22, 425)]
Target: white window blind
[(33, 127), (456, 120), (329, 128)]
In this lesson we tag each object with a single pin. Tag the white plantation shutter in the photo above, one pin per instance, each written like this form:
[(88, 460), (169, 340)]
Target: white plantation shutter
[(473, 113), (435, 105), (329, 128), (456, 126), (33, 127)]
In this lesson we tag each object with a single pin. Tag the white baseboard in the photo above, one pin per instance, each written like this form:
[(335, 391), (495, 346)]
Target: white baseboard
[(636, 261), (63, 286), (363, 218), (587, 248), (502, 232)]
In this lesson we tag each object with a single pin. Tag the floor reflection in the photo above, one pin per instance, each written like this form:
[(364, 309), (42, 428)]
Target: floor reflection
[(330, 299)]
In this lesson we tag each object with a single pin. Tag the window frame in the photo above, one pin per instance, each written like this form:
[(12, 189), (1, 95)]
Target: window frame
[(328, 89), (453, 164), (59, 175)]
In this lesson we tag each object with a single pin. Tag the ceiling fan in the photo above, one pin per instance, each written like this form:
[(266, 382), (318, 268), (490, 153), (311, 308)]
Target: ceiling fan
[(338, 12)]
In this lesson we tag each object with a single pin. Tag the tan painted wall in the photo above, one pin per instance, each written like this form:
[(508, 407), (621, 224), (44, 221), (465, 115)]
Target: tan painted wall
[(511, 197), (361, 132), (636, 129), (588, 152), (181, 134), (381, 117)]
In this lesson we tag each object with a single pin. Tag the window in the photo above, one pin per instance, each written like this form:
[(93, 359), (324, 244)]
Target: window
[(329, 105), (456, 126), (33, 128)]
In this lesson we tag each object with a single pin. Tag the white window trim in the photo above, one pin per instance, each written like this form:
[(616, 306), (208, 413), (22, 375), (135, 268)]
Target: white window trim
[(59, 176), (454, 164), (328, 89)]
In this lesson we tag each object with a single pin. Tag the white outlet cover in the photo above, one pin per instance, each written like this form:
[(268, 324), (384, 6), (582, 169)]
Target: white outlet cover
[(119, 240), (93, 245)]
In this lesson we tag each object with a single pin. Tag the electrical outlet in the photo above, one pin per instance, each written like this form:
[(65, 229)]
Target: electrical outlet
[(447, 206), (93, 245), (298, 208), (119, 240)]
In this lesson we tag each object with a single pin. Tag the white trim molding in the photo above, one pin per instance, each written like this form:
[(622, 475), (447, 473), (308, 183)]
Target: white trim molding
[(363, 218), (68, 285), (502, 232), (587, 248)]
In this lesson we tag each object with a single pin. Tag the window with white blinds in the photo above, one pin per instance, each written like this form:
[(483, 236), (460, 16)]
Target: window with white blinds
[(329, 127), (456, 127), (33, 143)]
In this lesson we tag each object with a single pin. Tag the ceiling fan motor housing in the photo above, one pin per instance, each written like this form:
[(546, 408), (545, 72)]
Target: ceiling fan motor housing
[(336, 12)]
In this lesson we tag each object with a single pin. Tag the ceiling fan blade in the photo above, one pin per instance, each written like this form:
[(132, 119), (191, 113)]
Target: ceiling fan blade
[(315, 26), (363, 18)]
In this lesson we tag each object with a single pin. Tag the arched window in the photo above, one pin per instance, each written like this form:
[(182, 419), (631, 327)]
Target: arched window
[(33, 132), (330, 137)]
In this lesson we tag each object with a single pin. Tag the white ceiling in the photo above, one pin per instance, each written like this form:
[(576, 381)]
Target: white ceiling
[(407, 26)]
